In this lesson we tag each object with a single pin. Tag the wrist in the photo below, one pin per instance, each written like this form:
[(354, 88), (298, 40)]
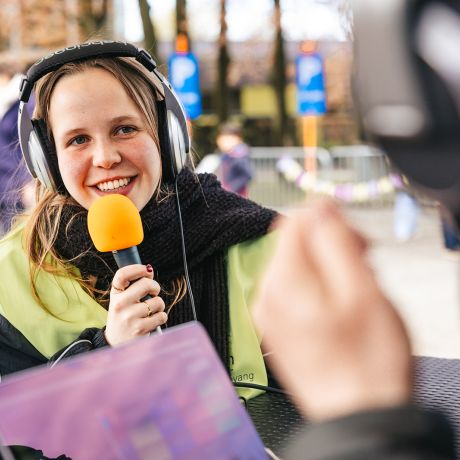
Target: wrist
[(341, 400), (106, 337)]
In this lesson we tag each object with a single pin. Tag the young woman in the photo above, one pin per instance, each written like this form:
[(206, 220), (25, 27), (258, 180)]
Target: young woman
[(59, 296)]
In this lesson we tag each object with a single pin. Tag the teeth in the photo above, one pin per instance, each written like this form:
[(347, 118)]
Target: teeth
[(113, 184)]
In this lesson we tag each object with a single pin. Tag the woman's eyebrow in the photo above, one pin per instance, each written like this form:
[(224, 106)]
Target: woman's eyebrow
[(123, 118), (73, 131)]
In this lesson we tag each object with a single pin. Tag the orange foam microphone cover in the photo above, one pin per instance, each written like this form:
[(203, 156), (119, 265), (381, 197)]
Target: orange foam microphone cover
[(114, 223)]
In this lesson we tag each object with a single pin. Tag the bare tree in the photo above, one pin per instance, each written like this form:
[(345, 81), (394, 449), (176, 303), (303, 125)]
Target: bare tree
[(181, 19), (150, 42), (346, 17), (223, 61), (279, 78), (93, 17), (8, 16)]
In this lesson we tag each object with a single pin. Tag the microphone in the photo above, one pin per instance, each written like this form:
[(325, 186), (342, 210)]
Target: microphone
[(115, 225)]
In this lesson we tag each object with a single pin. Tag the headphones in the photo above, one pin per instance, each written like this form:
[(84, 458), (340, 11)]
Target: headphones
[(407, 88), (38, 149)]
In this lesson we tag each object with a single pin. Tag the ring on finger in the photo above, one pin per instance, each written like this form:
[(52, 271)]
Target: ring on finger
[(149, 310)]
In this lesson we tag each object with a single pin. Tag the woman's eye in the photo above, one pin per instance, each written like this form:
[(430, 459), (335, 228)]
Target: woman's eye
[(78, 140), (125, 130)]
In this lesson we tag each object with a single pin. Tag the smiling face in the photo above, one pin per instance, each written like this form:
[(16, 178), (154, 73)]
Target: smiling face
[(102, 139)]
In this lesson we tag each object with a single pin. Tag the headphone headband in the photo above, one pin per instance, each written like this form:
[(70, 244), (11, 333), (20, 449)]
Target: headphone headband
[(82, 51)]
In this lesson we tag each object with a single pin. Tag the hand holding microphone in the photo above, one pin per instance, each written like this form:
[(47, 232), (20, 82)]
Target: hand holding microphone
[(135, 308)]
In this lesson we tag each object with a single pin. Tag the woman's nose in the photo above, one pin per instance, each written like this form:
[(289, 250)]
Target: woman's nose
[(105, 155)]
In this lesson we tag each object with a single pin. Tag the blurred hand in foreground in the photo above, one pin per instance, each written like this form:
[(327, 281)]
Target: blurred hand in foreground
[(338, 344)]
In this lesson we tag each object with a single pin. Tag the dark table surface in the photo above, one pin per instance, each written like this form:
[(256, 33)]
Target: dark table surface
[(437, 386)]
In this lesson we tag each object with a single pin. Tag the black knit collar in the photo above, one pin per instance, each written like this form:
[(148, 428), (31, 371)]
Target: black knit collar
[(213, 219)]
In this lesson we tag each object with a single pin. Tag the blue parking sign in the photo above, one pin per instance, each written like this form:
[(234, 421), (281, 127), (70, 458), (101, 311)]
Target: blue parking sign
[(311, 93), (184, 77)]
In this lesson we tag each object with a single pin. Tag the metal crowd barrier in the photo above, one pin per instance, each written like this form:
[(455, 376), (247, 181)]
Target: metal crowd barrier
[(339, 167)]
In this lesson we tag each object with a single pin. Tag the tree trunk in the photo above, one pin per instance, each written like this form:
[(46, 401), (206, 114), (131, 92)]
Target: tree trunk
[(223, 61), (279, 78), (150, 42), (91, 19), (181, 18)]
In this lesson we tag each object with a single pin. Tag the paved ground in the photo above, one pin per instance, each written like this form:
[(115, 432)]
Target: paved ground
[(420, 278)]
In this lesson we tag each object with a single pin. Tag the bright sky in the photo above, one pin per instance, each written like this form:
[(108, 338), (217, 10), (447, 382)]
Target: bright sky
[(246, 19)]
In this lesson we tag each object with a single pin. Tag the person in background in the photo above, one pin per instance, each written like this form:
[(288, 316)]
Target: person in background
[(405, 215), (15, 195), (235, 171), (450, 237), (339, 347)]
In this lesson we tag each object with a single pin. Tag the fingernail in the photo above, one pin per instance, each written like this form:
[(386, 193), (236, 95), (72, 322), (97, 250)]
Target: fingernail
[(149, 268)]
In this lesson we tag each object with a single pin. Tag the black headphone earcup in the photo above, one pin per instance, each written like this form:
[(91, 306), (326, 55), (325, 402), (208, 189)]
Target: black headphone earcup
[(405, 97), (44, 158), (173, 154), (168, 174), (176, 139)]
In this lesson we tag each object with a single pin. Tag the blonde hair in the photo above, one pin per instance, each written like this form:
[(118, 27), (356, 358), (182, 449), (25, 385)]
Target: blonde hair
[(41, 228)]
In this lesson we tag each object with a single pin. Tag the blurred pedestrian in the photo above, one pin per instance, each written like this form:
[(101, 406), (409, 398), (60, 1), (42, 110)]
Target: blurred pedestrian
[(450, 236), (235, 171), (405, 215), (14, 194)]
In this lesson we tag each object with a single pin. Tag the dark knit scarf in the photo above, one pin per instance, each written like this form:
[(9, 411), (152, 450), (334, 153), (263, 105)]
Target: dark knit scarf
[(213, 221)]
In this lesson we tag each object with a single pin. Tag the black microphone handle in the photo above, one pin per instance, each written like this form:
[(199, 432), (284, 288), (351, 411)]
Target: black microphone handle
[(130, 256)]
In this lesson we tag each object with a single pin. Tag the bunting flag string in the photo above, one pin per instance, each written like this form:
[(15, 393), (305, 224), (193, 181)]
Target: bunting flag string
[(350, 191)]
